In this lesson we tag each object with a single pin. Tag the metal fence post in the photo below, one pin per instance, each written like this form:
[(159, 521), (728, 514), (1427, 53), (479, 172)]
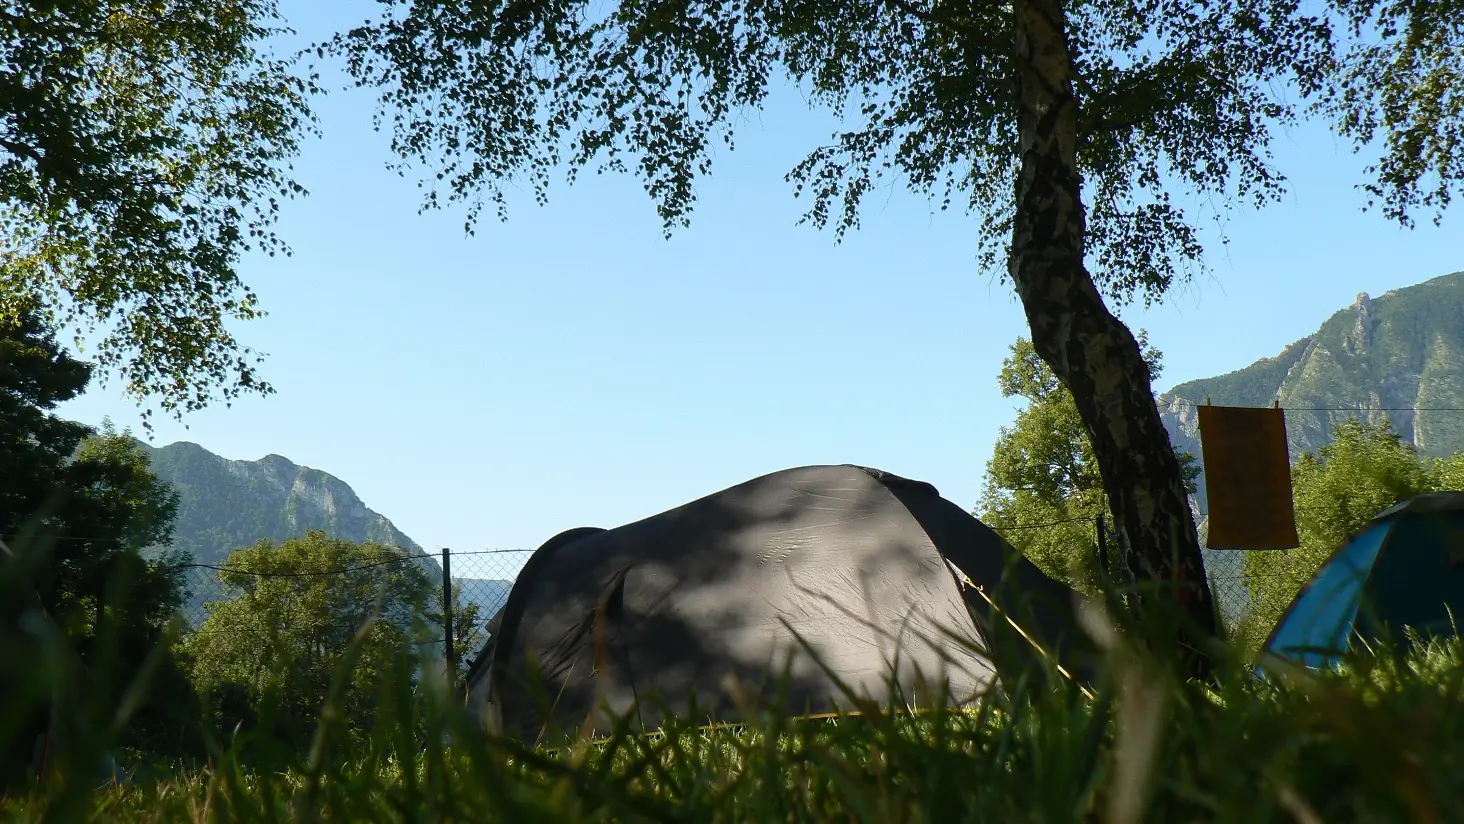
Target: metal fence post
[(450, 663)]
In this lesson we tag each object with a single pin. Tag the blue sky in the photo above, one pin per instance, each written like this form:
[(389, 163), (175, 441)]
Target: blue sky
[(572, 367)]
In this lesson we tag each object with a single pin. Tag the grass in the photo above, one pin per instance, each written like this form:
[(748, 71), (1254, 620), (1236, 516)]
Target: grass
[(1380, 740)]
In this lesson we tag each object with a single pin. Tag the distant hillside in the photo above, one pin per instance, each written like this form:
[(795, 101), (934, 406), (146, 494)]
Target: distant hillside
[(1402, 351), (228, 504)]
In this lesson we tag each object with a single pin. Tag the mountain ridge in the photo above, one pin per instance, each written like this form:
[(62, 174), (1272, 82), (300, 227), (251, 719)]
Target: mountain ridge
[(1399, 355), (226, 504)]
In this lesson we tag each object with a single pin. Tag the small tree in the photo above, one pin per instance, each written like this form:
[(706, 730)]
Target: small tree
[(78, 507), (1044, 491), (267, 657)]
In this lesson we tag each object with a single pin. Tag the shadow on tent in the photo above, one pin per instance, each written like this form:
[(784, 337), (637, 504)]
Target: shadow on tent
[(827, 574)]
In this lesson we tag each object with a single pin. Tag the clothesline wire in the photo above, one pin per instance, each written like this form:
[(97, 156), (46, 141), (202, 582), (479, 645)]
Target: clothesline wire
[(1188, 402)]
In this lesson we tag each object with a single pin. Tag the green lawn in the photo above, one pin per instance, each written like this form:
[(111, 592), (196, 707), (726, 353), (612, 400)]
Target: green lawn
[(1381, 741)]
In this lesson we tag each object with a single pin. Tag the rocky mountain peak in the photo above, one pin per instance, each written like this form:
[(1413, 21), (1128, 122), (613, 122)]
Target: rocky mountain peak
[(225, 504), (1362, 330), (1398, 356)]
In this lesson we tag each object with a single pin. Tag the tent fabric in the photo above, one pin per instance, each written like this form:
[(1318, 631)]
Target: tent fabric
[(1324, 613), (1405, 570), (866, 569)]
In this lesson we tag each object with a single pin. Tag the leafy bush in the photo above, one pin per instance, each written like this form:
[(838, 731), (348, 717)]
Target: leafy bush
[(265, 658)]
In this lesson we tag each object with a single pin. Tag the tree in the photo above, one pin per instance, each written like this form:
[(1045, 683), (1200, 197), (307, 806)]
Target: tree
[(143, 149), (267, 657), (36, 375), (115, 602), (87, 499), (1043, 488), (1364, 470), (1064, 125), (111, 508), (78, 507), (1448, 473)]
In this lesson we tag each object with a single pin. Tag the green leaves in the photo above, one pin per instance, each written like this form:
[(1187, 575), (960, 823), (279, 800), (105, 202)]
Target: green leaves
[(268, 656), (79, 507), (1044, 491), (88, 497), (1364, 470), (144, 148), (1168, 90), (1398, 89)]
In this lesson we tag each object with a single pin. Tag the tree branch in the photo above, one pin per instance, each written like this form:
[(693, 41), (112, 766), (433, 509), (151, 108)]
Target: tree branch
[(21, 150), (965, 27)]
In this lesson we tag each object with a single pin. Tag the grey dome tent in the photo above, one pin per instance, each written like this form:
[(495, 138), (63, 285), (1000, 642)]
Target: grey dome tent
[(1405, 569), (872, 572)]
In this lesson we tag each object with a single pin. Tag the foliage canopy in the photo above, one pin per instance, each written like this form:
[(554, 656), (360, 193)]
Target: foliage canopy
[(144, 147), (77, 508), (267, 657), (484, 96), (1043, 490)]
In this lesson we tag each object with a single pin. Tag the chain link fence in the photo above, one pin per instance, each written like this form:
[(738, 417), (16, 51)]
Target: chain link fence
[(484, 578), (480, 582), (1251, 602), (1251, 590)]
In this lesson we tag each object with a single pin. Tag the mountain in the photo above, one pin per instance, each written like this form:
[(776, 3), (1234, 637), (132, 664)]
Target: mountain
[(1398, 355), (225, 505)]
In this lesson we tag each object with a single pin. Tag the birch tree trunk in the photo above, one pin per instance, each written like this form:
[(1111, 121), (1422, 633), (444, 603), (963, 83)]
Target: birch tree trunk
[(1093, 352)]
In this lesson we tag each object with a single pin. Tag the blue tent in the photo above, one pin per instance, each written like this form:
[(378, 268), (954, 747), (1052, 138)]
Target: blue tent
[(1405, 569)]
